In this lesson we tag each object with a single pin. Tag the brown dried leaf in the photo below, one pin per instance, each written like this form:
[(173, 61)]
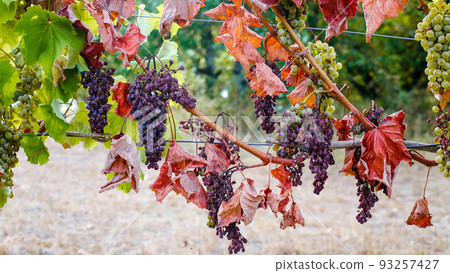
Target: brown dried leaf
[(250, 200), (274, 49), (420, 215), (231, 211), (122, 159), (292, 217), (180, 12), (265, 82), (190, 187)]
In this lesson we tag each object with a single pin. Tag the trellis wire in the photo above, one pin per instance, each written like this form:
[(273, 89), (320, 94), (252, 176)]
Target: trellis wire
[(312, 28), (350, 144)]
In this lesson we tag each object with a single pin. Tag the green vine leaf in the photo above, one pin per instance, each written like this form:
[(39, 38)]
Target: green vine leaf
[(45, 35), (35, 149), (64, 90), (7, 10), (8, 80), (55, 123), (9, 39), (80, 123), (4, 194)]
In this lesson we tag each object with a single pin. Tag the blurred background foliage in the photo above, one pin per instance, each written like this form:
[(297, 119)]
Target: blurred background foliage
[(388, 71)]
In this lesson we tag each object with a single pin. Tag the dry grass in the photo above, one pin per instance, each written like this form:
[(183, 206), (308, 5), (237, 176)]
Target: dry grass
[(57, 210)]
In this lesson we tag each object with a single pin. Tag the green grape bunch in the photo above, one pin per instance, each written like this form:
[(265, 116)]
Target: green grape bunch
[(325, 56), (10, 140), (296, 18), (434, 36), (442, 132), (28, 85)]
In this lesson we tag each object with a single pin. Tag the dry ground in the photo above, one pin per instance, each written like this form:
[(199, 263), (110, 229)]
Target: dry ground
[(57, 210)]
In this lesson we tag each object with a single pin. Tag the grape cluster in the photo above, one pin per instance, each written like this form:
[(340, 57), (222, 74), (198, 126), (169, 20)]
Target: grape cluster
[(309, 131), (10, 140), (325, 56), (28, 85), (220, 189), (295, 174), (365, 191), (296, 18), (149, 95), (442, 131), (99, 83), (316, 134), (434, 36), (149, 109), (265, 109), (287, 132)]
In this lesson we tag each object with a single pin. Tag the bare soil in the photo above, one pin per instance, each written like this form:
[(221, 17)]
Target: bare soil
[(57, 210)]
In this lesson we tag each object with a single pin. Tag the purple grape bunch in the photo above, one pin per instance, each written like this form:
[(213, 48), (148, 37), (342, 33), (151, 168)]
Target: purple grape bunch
[(149, 95), (265, 109), (98, 82), (365, 191), (317, 133), (220, 189)]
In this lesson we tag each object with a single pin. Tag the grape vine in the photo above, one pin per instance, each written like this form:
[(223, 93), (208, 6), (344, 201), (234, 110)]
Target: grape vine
[(42, 96)]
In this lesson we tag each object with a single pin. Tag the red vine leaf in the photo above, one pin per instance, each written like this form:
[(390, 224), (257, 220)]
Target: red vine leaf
[(244, 52), (236, 34), (105, 27), (376, 11), (129, 44), (117, 8), (120, 92), (348, 162), (92, 54), (180, 12), (231, 211), (180, 160), (264, 82), (292, 217), (420, 216), (263, 5), (301, 91), (190, 187), (275, 201), (123, 160), (336, 13), (217, 159), (282, 175), (343, 127), (163, 183), (382, 150), (274, 49)]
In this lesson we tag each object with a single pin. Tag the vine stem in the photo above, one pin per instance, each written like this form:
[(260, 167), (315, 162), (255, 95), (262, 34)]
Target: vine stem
[(228, 136), (9, 56), (327, 82), (419, 158), (426, 182)]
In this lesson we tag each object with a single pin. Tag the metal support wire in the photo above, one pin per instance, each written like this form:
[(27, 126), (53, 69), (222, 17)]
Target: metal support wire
[(312, 28), (349, 144), (356, 143)]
